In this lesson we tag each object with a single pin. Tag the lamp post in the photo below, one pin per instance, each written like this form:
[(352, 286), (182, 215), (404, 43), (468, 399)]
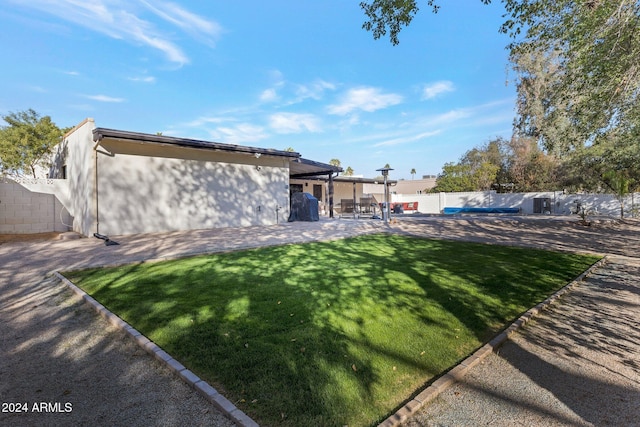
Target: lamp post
[(387, 206)]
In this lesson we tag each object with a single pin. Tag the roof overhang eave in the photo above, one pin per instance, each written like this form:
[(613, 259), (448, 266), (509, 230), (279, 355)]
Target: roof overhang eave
[(305, 168), (142, 138)]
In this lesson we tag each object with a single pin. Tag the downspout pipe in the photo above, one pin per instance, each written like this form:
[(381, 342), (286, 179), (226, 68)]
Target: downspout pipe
[(95, 182), (96, 193)]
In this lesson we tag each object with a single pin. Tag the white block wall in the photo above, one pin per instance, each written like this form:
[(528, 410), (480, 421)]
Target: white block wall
[(26, 212), (562, 204)]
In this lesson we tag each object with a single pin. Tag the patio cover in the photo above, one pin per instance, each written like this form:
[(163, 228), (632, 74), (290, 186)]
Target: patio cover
[(305, 168)]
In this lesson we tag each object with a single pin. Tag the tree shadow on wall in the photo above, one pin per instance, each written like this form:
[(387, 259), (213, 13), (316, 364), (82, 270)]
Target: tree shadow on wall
[(186, 194)]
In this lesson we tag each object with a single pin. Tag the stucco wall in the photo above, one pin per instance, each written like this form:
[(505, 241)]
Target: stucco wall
[(140, 194), (75, 154), (24, 211)]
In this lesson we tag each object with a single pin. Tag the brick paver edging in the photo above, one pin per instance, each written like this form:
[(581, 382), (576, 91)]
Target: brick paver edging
[(459, 371), (223, 404)]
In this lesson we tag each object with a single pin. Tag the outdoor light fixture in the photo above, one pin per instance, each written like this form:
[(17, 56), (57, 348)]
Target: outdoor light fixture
[(386, 212)]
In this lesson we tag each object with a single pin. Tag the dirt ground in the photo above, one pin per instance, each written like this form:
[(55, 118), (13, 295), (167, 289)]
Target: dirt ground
[(604, 235), (36, 237)]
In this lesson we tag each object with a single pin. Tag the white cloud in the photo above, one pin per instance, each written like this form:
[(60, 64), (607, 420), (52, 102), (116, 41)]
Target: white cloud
[(314, 90), (294, 123), (276, 76), (452, 115), (104, 98), (434, 89), (367, 99), (143, 31), (239, 134), (184, 19), (147, 79), (269, 95), (122, 20), (288, 93), (407, 139), (200, 121)]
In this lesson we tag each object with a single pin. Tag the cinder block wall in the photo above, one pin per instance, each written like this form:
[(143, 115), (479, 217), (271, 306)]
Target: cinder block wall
[(562, 204), (26, 212)]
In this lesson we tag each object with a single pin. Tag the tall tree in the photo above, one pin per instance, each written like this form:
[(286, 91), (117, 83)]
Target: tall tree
[(579, 80), (392, 15), (620, 183), (455, 177), (528, 168), (576, 63), (348, 171), (592, 170), (518, 164), (27, 142), (477, 170), (481, 167), (413, 172)]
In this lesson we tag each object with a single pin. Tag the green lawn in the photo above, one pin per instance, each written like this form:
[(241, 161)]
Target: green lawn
[(334, 333)]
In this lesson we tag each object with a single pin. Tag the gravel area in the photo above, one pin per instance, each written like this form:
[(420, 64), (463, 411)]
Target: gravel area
[(55, 350), (577, 364)]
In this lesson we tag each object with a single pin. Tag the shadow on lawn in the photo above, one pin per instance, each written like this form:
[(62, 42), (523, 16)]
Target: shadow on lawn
[(330, 333)]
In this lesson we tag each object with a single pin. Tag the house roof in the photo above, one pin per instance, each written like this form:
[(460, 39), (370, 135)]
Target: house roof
[(297, 166), (146, 138), (302, 168)]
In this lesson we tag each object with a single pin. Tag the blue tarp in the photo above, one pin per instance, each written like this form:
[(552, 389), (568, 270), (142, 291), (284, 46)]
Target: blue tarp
[(452, 211)]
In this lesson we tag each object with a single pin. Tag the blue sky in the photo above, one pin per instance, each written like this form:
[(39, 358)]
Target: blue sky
[(273, 74)]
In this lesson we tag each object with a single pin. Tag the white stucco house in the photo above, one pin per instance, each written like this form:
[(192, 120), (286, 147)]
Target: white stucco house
[(122, 182)]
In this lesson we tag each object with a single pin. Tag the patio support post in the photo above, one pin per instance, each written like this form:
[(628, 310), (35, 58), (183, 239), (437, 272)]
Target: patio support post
[(387, 208), (354, 200), (331, 195)]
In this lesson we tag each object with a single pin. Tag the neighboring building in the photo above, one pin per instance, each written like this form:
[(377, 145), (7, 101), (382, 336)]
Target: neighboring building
[(126, 182), (415, 186)]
